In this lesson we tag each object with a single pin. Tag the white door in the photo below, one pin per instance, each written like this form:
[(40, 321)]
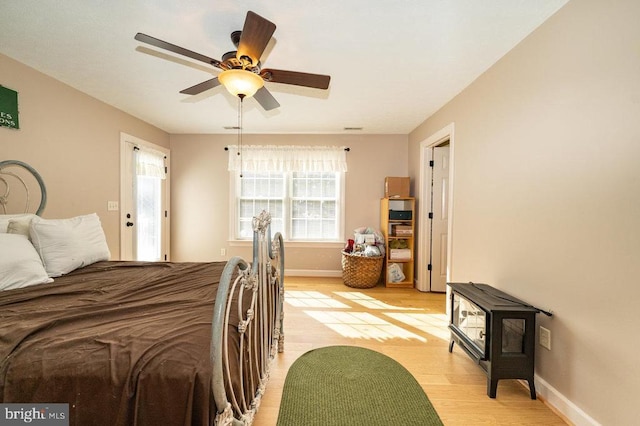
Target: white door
[(440, 218), (144, 200)]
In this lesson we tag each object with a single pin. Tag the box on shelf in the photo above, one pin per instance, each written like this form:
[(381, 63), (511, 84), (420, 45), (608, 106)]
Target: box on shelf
[(396, 187), (400, 254), (400, 214), (402, 230)]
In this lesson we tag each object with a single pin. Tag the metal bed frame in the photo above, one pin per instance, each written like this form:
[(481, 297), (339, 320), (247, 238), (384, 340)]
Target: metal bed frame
[(260, 326), (257, 288)]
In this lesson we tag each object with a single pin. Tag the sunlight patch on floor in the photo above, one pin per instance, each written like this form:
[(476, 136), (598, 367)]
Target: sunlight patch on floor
[(335, 310), (434, 324), (370, 302), (311, 299), (362, 325)]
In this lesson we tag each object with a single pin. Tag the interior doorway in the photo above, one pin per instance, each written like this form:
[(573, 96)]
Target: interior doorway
[(436, 194), (144, 200)]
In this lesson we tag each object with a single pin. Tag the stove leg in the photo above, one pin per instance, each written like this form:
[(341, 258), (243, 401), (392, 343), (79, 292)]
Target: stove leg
[(492, 387), (532, 388)]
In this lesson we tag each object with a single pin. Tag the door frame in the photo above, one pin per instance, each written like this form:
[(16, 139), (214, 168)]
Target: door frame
[(424, 246), (124, 140)]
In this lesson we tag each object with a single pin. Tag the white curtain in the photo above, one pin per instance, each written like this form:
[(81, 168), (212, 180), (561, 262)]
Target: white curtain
[(150, 163), (149, 170), (287, 158)]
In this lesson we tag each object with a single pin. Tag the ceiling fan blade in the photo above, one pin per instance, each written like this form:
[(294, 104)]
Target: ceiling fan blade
[(266, 99), (176, 49), (255, 36), (316, 81), (201, 87)]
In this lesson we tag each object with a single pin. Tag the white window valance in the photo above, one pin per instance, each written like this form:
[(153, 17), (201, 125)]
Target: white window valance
[(287, 158), (149, 163)]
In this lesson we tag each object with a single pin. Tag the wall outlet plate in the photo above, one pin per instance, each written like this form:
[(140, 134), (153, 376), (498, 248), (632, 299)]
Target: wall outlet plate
[(545, 337)]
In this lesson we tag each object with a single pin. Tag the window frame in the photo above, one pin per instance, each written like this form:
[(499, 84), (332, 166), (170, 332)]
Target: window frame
[(234, 196)]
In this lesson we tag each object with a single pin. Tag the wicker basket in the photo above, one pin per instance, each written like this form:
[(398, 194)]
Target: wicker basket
[(361, 271)]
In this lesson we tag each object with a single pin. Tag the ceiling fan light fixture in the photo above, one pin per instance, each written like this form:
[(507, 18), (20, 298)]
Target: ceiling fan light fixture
[(241, 82), (241, 72)]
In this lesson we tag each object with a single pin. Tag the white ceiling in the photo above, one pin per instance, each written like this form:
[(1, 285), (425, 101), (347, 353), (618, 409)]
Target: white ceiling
[(392, 63)]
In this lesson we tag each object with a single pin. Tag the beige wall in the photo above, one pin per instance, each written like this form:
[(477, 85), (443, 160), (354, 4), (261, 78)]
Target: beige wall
[(73, 140), (200, 193), (547, 197)]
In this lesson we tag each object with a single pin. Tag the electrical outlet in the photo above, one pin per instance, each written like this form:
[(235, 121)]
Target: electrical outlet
[(223, 252), (545, 337), (112, 206)]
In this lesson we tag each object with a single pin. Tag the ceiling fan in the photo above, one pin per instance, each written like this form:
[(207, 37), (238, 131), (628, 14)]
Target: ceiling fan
[(242, 73)]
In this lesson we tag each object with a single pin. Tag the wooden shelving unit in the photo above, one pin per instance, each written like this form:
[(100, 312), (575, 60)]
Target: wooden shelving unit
[(397, 222)]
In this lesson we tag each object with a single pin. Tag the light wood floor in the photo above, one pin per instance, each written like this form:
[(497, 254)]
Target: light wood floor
[(409, 326)]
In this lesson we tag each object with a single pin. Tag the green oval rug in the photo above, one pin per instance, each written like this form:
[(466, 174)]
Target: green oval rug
[(350, 385)]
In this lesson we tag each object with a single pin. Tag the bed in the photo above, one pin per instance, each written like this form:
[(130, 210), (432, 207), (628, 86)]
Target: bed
[(140, 343)]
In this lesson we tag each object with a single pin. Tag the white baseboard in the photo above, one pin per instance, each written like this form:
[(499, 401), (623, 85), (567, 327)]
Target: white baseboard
[(562, 405), (311, 273)]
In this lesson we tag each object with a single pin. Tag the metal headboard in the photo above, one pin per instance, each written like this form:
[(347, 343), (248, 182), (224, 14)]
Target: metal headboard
[(8, 176)]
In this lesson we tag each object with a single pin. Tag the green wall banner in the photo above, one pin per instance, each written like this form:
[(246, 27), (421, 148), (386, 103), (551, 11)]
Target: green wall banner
[(9, 108)]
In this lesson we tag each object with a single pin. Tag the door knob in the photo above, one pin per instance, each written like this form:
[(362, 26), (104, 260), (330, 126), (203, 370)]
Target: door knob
[(129, 223)]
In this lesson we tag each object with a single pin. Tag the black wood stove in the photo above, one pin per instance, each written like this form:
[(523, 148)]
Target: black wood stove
[(496, 330)]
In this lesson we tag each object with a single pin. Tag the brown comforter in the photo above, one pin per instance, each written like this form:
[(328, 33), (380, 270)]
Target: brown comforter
[(123, 343)]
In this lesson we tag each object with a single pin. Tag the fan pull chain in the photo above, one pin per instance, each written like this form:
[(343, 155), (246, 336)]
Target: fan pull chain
[(240, 99)]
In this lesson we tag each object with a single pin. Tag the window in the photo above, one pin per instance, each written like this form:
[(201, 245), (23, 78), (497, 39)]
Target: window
[(260, 191), (314, 206), (149, 213), (305, 205)]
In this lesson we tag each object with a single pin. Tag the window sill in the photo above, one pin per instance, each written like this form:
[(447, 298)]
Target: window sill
[(298, 244)]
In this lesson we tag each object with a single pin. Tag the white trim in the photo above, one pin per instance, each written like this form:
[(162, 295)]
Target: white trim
[(424, 250), (294, 244), (562, 404), (135, 141)]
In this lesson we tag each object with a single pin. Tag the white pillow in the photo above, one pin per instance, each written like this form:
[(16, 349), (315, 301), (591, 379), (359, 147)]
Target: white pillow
[(68, 244), (20, 265), (5, 218)]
